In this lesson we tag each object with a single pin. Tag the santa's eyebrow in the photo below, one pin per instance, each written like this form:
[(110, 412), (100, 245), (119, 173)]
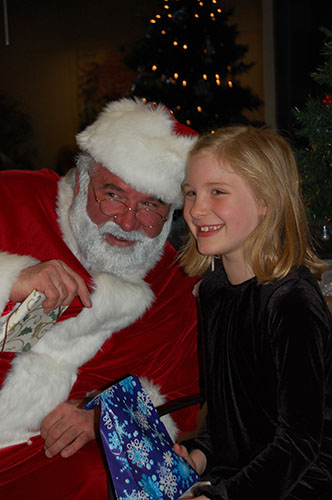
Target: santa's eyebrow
[(113, 186)]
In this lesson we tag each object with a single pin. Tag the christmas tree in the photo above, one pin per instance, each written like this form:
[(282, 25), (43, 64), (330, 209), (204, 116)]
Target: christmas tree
[(314, 153), (190, 61)]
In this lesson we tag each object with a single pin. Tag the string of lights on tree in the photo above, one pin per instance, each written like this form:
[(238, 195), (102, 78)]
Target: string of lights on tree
[(314, 156), (190, 61)]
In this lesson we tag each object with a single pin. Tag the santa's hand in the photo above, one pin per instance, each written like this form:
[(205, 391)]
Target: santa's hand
[(58, 282), (67, 428)]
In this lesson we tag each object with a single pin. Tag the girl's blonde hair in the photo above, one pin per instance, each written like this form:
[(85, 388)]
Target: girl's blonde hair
[(266, 162)]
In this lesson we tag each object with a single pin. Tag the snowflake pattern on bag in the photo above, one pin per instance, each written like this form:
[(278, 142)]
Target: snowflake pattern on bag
[(138, 447)]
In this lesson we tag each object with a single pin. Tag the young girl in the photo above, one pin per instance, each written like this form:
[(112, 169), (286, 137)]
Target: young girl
[(266, 329)]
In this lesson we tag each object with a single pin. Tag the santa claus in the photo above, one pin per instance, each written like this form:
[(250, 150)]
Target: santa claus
[(94, 240)]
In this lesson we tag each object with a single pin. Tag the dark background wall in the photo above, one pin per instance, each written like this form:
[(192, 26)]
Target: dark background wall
[(51, 42)]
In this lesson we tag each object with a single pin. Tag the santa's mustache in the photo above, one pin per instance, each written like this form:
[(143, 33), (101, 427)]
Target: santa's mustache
[(114, 229)]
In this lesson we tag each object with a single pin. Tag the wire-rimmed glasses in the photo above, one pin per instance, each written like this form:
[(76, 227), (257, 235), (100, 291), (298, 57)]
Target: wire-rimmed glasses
[(115, 208)]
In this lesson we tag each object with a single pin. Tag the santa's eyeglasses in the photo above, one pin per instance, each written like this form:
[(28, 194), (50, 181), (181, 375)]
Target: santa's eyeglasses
[(114, 208)]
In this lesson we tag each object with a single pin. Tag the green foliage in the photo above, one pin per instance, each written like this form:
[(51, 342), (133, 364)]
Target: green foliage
[(314, 154), (323, 74), (190, 61)]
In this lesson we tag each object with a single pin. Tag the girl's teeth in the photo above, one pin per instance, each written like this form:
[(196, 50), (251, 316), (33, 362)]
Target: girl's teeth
[(205, 229)]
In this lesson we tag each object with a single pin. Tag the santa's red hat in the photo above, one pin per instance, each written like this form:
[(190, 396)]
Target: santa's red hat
[(143, 144)]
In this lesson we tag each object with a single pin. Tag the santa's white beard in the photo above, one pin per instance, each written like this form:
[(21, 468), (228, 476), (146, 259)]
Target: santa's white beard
[(99, 256)]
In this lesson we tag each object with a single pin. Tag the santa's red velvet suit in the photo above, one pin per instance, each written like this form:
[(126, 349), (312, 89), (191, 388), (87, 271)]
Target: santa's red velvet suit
[(147, 327)]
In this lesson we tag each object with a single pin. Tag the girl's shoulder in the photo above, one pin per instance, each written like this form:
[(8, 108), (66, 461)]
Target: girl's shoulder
[(298, 291), (298, 279)]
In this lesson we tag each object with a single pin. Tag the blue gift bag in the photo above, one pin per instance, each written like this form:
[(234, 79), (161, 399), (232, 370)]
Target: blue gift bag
[(138, 448)]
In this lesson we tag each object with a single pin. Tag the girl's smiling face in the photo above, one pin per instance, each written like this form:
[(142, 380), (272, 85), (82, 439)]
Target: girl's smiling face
[(220, 208)]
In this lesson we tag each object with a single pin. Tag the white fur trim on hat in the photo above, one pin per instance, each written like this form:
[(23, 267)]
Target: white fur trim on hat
[(138, 142)]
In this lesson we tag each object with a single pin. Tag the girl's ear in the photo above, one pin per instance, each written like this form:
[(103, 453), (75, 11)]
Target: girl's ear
[(262, 208), (77, 183)]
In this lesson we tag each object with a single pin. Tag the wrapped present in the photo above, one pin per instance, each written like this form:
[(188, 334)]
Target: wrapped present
[(138, 448), (26, 323)]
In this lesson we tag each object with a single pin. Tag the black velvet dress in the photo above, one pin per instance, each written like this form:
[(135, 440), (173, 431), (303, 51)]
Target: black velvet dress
[(267, 355)]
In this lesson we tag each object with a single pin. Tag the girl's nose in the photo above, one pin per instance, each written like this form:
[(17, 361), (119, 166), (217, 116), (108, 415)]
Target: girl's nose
[(198, 208)]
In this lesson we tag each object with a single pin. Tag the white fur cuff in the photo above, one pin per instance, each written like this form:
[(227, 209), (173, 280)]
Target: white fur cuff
[(10, 267)]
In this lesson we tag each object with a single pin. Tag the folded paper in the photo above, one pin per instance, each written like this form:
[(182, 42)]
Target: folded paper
[(27, 323)]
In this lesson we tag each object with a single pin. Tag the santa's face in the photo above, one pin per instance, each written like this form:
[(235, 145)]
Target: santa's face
[(120, 245), (110, 198)]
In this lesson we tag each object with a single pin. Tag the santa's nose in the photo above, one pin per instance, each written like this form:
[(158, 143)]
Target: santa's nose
[(128, 220)]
